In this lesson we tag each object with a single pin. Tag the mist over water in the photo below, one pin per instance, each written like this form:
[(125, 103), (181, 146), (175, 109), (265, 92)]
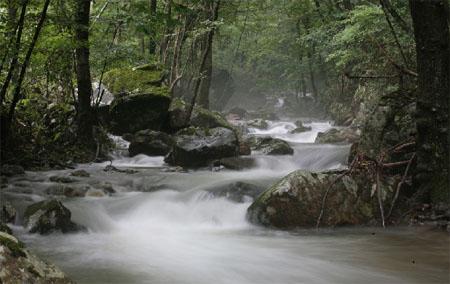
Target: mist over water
[(167, 227)]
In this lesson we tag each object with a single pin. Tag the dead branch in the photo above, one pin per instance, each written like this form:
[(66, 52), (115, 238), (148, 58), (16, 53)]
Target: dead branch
[(395, 164), (324, 199), (397, 191), (380, 202), (369, 76)]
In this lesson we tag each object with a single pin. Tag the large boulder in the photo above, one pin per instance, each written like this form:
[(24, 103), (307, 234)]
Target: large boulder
[(18, 265), (296, 201), (47, 216), (334, 135), (197, 147), (133, 112), (151, 143), (141, 99), (270, 146)]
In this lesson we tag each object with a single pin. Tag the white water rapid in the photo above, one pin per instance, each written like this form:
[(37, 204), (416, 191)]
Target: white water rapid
[(167, 227)]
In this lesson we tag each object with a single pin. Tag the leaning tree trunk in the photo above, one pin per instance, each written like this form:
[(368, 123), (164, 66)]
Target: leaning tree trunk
[(430, 20), (17, 94), (152, 42), (15, 56), (209, 42), (84, 119), (203, 96)]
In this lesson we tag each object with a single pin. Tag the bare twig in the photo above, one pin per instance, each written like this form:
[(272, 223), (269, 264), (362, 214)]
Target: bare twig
[(380, 202), (395, 164), (394, 34), (100, 95), (325, 196), (99, 14), (369, 76), (405, 174)]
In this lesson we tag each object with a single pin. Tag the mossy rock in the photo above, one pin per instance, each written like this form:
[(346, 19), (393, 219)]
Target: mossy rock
[(296, 200), (333, 135), (18, 265), (177, 114), (151, 143), (208, 119), (132, 113), (142, 79), (270, 146), (198, 147), (49, 215), (15, 246)]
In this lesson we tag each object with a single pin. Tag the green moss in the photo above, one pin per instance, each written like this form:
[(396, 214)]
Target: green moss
[(16, 247), (177, 103), (189, 131), (209, 119), (141, 79), (46, 205)]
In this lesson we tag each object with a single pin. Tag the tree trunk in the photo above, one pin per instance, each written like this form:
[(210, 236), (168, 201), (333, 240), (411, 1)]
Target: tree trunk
[(203, 96), (15, 55), (312, 76), (204, 59), (11, 27), (85, 120), (386, 4), (152, 43), (18, 86), (430, 21), (167, 32)]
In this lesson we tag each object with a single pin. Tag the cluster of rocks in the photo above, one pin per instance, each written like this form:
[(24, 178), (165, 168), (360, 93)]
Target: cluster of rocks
[(155, 124)]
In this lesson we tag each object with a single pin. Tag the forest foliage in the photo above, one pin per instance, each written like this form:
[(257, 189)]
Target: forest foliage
[(340, 52)]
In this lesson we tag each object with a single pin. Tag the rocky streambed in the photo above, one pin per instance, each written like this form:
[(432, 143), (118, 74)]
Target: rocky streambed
[(140, 220)]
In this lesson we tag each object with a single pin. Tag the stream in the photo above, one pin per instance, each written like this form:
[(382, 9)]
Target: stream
[(168, 227)]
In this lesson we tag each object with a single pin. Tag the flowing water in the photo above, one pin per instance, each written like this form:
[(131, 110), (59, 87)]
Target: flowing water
[(167, 227)]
